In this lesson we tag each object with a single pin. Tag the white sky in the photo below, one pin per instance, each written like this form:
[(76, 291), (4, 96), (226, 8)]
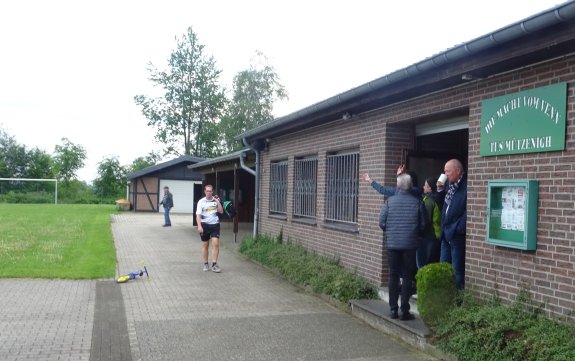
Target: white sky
[(71, 68)]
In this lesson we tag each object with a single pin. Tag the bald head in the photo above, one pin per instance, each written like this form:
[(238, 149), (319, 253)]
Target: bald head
[(453, 170)]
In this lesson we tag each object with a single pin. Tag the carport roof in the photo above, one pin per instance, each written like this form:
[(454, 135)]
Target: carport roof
[(161, 166), (219, 160)]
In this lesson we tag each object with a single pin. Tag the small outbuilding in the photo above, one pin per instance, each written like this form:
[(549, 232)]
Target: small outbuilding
[(145, 187), (233, 178)]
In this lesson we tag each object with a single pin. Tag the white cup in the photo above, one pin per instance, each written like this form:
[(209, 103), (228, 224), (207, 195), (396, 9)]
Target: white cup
[(442, 178)]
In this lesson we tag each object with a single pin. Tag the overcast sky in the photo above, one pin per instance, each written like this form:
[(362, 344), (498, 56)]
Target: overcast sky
[(71, 68)]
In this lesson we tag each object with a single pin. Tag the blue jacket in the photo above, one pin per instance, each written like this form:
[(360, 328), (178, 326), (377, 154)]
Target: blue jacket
[(390, 191), (403, 218), (454, 215)]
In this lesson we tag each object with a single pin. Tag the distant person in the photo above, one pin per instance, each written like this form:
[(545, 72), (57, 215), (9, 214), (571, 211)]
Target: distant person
[(429, 249), (389, 191), (454, 220), (403, 219), (209, 227), (168, 203)]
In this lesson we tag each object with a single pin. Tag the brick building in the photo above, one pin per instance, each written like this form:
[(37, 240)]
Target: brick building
[(423, 115)]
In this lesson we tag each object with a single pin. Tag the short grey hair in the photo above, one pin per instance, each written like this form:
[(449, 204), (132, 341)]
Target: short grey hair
[(404, 182)]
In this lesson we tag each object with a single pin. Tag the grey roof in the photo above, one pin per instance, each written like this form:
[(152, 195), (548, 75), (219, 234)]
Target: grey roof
[(219, 160), (161, 166), (362, 98)]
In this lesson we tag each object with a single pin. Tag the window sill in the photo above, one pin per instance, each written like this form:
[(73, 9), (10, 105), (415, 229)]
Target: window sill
[(281, 217), (308, 221), (348, 228)]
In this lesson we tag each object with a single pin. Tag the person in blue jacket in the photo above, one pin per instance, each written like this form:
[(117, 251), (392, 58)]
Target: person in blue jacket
[(390, 191), (454, 219), (403, 219), (168, 203)]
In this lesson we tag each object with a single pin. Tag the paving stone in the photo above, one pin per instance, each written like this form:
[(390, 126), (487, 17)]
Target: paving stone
[(180, 312)]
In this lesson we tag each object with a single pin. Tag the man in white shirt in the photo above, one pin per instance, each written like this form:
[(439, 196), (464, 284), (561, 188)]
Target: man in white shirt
[(209, 226)]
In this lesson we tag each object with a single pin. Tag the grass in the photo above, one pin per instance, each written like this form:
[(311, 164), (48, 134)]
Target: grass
[(493, 331), (56, 241), (322, 275)]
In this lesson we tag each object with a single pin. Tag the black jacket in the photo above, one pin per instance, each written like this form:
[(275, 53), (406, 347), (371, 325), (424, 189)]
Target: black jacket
[(168, 200)]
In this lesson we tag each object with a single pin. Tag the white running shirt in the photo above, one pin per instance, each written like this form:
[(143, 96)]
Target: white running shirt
[(208, 210)]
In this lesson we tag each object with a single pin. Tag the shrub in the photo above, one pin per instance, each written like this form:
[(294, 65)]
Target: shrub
[(27, 197), (321, 274), (436, 291), (493, 331)]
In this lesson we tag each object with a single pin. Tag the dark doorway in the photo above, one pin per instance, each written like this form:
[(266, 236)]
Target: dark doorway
[(198, 194), (432, 151)]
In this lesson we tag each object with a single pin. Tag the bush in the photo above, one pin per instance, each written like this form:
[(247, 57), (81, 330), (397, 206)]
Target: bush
[(493, 331), (27, 197), (436, 291), (322, 275), (71, 192)]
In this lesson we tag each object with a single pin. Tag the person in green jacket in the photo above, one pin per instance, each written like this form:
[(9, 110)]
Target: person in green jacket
[(429, 249)]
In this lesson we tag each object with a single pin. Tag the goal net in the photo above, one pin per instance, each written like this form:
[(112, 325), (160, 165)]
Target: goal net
[(28, 190)]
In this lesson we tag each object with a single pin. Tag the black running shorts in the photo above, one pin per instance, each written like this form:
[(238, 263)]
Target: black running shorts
[(210, 231)]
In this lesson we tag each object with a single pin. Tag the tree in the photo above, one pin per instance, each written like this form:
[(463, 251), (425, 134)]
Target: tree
[(68, 159), (40, 164), (255, 91), (18, 162), (185, 117), (13, 157), (111, 180), (143, 162)]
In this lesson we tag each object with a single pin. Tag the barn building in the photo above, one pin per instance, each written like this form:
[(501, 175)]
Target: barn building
[(145, 187)]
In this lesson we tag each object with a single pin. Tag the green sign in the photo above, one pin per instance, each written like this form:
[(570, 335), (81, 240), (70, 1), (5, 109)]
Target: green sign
[(526, 122)]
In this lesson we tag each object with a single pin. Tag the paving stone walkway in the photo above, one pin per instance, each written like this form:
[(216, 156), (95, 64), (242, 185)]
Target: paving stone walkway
[(180, 312)]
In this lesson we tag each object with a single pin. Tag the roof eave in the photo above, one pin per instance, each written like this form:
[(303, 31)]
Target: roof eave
[(415, 75)]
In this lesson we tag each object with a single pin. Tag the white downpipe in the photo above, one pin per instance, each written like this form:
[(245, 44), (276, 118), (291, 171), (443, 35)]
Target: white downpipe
[(255, 173)]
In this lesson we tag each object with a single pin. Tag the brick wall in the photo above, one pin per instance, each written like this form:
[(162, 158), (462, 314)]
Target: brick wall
[(383, 137), (549, 271), (362, 250)]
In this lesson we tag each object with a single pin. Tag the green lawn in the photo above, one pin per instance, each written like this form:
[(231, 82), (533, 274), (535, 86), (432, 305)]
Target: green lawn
[(56, 241)]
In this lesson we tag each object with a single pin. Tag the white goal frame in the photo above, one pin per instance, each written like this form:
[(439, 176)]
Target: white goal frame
[(36, 180)]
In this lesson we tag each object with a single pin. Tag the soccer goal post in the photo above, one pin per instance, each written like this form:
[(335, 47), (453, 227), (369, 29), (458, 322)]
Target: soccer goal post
[(36, 180)]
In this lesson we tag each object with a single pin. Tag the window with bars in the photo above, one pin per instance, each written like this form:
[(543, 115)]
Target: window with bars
[(305, 187), (278, 187), (342, 175)]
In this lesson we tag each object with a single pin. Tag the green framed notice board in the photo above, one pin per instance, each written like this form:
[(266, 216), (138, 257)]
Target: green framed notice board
[(512, 213)]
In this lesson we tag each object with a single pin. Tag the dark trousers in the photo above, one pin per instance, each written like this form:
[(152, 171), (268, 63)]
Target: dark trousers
[(428, 252), (401, 265)]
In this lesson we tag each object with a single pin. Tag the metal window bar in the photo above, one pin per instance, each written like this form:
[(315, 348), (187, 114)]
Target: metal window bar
[(342, 187), (305, 187), (278, 187)]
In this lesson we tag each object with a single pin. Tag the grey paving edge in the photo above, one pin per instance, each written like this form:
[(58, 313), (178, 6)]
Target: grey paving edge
[(110, 338), (414, 332)]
